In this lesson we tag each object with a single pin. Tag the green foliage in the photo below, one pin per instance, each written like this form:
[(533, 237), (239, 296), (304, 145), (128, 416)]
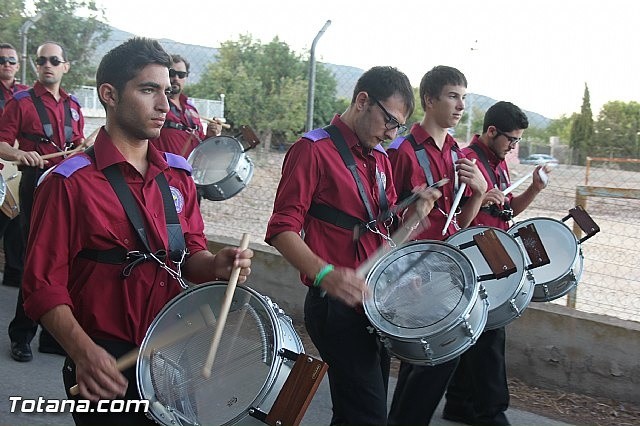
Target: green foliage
[(75, 25), (265, 86), (617, 130), (11, 18), (581, 135)]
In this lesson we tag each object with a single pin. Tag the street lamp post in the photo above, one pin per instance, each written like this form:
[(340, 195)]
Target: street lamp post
[(28, 23), (312, 75)]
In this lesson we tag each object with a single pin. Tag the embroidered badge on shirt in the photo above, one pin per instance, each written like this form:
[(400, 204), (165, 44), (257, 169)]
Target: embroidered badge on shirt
[(75, 115), (178, 199)]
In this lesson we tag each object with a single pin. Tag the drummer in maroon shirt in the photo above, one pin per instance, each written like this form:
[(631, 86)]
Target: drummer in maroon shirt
[(320, 198), (85, 279)]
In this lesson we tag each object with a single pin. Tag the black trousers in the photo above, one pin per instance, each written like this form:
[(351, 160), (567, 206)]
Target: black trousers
[(22, 328), (358, 363), (117, 349), (479, 389), (13, 246), (418, 392)]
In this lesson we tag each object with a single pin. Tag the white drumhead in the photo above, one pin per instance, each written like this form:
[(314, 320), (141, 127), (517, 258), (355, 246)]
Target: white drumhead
[(499, 291), (420, 289), (215, 159), (560, 244)]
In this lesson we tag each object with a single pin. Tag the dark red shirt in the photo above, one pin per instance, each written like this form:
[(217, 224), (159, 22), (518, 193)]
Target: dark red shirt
[(407, 174), (82, 211), (313, 172), (178, 141), (500, 173), (7, 93), (20, 117)]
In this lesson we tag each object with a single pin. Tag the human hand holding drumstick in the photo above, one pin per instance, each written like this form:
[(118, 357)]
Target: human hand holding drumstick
[(215, 126)]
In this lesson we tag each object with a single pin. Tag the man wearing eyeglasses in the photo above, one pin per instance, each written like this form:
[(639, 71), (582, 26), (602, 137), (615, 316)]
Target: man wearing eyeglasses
[(182, 130), (428, 154), (334, 179), (478, 393), (10, 228), (44, 120)]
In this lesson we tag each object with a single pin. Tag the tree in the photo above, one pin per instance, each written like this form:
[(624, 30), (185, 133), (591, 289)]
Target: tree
[(75, 25), (581, 136), (617, 130), (265, 86), (11, 18)]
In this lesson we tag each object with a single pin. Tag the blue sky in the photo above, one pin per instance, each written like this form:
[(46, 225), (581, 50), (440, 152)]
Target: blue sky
[(538, 54)]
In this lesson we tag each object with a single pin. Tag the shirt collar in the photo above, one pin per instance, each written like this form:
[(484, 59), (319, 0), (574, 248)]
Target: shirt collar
[(40, 91)]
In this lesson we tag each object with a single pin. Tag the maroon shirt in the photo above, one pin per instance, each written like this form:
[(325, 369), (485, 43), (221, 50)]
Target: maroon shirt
[(7, 93), (20, 117), (407, 174), (177, 141), (500, 172), (314, 172), (82, 211)]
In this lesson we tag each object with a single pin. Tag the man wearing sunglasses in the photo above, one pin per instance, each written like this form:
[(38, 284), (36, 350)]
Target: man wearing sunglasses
[(478, 393), (428, 154), (182, 130), (44, 120), (10, 228)]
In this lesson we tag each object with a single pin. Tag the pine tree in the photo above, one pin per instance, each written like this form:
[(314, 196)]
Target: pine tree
[(581, 138)]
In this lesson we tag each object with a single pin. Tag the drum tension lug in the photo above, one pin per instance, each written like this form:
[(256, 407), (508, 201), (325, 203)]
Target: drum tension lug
[(290, 355), (258, 414)]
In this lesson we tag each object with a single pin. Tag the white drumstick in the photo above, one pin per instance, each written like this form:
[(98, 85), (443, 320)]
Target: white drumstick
[(456, 201), (222, 317), (543, 175)]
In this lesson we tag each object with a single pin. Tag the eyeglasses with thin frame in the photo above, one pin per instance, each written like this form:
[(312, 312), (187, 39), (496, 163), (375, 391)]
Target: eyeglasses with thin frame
[(8, 60), (53, 60), (513, 141), (179, 74), (391, 122)]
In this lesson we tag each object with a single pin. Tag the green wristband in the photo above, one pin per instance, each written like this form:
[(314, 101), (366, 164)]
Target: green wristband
[(323, 273)]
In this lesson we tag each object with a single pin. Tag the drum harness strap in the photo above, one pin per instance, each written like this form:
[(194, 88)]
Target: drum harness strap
[(344, 220), (3, 101), (177, 247), (425, 165), (192, 127), (501, 178), (47, 128)]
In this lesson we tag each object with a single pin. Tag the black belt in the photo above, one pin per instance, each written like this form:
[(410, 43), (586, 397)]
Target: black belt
[(335, 217)]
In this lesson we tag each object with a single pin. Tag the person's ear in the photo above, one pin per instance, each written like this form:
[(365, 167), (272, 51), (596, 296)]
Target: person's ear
[(108, 94)]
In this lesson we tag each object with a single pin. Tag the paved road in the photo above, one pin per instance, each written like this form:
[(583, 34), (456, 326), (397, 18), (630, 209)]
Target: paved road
[(42, 377)]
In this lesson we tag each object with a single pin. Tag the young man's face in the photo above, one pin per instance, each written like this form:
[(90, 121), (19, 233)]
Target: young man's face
[(178, 79), (48, 73), (141, 108), (501, 143), (447, 109), (8, 69)]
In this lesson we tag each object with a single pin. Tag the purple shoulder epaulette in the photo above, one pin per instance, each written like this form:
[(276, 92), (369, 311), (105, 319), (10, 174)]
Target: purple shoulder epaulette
[(177, 162), (316, 135), (71, 165), (20, 95), (380, 148), (397, 142)]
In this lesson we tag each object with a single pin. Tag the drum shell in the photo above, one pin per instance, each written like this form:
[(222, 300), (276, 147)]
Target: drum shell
[(10, 206), (564, 271), (508, 297), (221, 168), (284, 337), (443, 338)]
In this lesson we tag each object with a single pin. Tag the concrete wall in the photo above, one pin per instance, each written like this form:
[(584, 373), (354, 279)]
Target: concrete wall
[(550, 346)]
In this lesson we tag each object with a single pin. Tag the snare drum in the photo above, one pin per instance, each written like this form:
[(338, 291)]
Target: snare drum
[(557, 278), (221, 169), (508, 297), (11, 202), (249, 369), (427, 305)]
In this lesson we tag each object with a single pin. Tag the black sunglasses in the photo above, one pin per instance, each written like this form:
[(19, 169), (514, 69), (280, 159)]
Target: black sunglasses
[(391, 122), (53, 60), (512, 139), (179, 74), (8, 60)]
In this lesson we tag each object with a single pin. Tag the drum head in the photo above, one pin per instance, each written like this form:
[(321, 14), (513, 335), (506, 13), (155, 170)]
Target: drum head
[(560, 244), (420, 289), (215, 159), (499, 291), (170, 375), (3, 189)]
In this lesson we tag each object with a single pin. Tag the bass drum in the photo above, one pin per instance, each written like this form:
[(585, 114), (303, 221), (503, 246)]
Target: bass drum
[(221, 169), (426, 303), (564, 271), (248, 371), (508, 297)]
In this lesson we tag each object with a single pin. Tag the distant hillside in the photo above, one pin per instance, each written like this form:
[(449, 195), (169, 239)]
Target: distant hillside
[(345, 75)]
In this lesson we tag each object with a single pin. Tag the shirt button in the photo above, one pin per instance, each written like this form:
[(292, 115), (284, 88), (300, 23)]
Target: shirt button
[(161, 283), (155, 215), (126, 241)]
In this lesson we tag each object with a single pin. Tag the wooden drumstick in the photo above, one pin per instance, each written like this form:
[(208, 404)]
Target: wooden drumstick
[(69, 153), (454, 206), (216, 121), (167, 338), (224, 310)]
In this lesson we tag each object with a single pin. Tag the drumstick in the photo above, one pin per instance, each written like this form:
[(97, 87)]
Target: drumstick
[(216, 121), (224, 310), (543, 175), (60, 153), (167, 338), (456, 201)]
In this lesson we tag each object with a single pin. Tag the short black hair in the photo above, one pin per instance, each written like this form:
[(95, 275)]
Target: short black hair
[(505, 116), (436, 78), (7, 46), (122, 63), (382, 82), (178, 58)]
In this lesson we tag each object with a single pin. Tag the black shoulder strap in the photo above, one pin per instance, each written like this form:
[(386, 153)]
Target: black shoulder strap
[(487, 166), (47, 128), (2, 100)]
